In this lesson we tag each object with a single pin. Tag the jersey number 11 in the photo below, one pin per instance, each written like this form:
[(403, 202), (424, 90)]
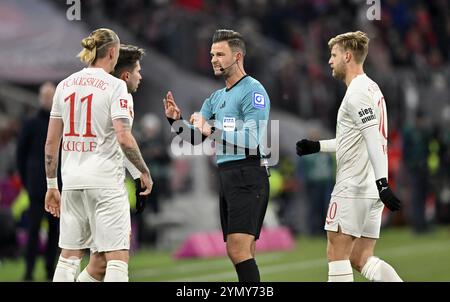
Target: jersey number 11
[(88, 99)]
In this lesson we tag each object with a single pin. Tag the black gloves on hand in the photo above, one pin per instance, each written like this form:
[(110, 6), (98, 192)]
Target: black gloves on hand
[(141, 200), (305, 147), (387, 196)]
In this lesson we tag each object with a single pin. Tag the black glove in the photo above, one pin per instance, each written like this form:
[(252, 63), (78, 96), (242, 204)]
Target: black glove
[(387, 196), (305, 147), (141, 200)]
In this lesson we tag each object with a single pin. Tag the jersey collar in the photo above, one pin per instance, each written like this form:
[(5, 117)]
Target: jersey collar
[(228, 89)]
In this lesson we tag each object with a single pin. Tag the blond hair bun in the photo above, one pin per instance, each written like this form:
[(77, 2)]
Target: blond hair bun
[(88, 43)]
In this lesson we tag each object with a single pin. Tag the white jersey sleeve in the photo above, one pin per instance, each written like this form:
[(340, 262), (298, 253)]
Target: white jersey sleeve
[(56, 105), (121, 102), (361, 110), (375, 150), (328, 145), (366, 117)]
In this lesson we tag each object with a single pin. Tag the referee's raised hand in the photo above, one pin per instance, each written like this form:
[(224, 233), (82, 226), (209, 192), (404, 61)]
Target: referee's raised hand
[(171, 109)]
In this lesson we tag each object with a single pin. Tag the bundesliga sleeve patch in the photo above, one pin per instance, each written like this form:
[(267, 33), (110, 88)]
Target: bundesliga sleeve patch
[(258, 100), (123, 103)]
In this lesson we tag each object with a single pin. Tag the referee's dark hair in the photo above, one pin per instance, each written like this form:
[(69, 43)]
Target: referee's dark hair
[(234, 39), (129, 55)]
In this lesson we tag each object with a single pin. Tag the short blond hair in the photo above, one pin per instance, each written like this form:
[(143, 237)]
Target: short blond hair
[(357, 42), (94, 46)]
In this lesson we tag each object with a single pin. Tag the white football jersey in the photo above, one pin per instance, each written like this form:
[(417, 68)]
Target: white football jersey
[(88, 101), (363, 106)]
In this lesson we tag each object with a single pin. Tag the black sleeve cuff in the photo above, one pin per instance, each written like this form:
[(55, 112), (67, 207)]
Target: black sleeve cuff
[(171, 120)]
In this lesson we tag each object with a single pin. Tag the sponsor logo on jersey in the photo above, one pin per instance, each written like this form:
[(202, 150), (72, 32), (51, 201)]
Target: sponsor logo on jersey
[(258, 100), (366, 115), (229, 123), (123, 103)]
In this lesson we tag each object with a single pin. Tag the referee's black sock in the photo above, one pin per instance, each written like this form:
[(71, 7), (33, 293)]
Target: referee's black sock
[(247, 271)]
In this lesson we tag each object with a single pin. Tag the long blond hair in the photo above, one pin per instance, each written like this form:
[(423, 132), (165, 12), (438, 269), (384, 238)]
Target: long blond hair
[(357, 42), (94, 46)]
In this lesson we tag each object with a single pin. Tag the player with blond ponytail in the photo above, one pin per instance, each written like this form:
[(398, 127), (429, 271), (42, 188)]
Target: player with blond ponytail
[(90, 114)]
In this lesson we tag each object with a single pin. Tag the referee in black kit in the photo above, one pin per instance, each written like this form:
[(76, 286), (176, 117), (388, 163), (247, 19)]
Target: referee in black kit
[(240, 113)]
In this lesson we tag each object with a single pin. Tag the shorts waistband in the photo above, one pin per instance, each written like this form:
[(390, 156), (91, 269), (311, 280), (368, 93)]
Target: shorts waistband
[(249, 161)]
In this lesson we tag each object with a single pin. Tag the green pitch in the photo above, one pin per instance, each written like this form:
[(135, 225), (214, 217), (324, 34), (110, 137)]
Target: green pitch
[(416, 258)]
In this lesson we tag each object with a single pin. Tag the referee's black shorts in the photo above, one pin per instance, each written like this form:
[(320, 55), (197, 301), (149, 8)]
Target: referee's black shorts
[(244, 195)]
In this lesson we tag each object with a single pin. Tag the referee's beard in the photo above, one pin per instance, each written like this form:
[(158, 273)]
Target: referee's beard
[(223, 74)]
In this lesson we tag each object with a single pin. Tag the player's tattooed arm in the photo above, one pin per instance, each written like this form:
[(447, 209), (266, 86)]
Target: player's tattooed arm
[(52, 144), (124, 125), (51, 164), (135, 157), (128, 144)]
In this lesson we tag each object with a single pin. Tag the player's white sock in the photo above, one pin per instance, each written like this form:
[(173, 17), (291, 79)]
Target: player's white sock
[(85, 277), (376, 269), (340, 271), (116, 271), (66, 269)]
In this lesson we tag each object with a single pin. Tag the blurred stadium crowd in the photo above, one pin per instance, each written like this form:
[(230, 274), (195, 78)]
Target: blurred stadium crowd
[(288, 53)]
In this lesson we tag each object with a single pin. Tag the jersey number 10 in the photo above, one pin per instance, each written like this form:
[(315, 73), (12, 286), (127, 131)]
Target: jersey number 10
[(88, 99)]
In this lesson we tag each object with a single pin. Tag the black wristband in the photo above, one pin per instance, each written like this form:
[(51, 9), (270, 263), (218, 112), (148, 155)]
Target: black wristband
[(381, 183), (171, 120)]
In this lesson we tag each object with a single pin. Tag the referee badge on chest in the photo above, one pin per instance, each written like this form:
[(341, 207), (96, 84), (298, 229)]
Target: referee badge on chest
[(229, 123)]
